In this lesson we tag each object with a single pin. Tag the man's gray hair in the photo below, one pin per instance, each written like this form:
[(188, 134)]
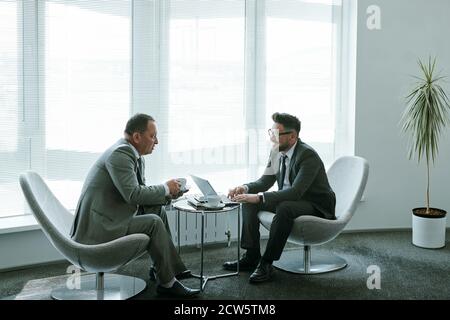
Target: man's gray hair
[(138, 123)]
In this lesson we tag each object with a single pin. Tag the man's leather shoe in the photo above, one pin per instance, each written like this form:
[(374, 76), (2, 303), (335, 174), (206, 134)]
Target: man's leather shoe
[(183, 275), (264, 272), (245, 264), (177, 290), (152, 274)]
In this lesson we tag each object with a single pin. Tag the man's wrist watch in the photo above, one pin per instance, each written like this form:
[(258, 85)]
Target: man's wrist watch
[(261, 197)]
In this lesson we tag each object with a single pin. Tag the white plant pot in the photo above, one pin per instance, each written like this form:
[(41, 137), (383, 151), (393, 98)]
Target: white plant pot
[(428, 232)]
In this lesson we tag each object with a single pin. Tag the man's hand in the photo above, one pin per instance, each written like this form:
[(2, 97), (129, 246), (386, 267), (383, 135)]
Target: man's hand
[(247, 198), (236, 191), (174, 188), (180, 194)]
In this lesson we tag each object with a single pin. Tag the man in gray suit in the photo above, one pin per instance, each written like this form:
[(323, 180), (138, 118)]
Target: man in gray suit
[(303, 189), (115, 202)]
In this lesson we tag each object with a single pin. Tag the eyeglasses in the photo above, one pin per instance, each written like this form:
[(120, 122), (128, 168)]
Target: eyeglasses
[(273, 133)]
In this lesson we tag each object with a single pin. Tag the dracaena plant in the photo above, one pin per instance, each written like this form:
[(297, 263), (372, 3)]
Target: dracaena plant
[(426, 116)]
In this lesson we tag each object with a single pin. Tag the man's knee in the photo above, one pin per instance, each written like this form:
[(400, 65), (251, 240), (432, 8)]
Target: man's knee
[(283, 209), (153, 209), (148, 224), (250, 208), (154, 221)]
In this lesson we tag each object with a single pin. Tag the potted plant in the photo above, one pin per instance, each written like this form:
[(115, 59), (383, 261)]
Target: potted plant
[(425, 117)]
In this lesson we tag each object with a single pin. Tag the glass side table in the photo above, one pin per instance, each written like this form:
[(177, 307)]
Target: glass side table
[(184, 206)]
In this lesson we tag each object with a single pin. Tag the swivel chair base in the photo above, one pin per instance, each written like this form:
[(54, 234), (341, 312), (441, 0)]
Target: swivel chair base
[(100, 287), (319, 263)]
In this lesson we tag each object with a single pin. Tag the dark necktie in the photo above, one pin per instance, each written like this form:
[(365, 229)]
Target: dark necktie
[(140, 172), (282, 172), (140, 178)]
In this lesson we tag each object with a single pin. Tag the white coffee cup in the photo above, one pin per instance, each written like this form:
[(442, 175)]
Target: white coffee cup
[(213, 200), (182, 182)]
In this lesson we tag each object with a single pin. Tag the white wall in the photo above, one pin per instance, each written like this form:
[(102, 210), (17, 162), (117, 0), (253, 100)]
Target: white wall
[(385, 60), (26, 248)]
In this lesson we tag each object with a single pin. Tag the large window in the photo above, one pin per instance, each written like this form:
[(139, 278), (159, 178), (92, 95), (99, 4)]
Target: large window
[(9, 76), (288, 64), (12, 161), (64, 91), (206, 87), (87, 73), (87, 86), (210, 71), (206, 62), (301, 66)]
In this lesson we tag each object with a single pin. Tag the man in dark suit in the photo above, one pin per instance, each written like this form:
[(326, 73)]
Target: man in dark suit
[(303, 189), (115, 201)]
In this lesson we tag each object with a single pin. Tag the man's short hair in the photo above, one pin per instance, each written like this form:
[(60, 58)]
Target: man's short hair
[(138, 123), (289, 122)]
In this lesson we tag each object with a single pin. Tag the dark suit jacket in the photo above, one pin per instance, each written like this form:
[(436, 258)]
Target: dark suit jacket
[(307, 177)]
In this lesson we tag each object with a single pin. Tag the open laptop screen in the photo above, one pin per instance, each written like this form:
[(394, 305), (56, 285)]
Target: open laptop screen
[(204, 186)]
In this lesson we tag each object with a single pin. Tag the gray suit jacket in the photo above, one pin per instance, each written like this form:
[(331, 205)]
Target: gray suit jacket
[(308, 180), (111, 195)]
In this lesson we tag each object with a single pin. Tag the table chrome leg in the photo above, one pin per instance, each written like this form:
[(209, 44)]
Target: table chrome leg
[(178, 231), (239, 237), (202, 277), (201, 248)]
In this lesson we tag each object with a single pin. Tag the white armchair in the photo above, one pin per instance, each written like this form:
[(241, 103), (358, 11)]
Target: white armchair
[(348, 177), (56, 223)]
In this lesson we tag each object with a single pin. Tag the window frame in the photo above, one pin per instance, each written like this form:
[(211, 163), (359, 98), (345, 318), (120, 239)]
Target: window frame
[(149, 86)]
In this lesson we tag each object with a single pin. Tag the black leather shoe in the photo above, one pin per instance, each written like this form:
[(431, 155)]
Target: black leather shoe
[(183, 275), (245, 264), (264, 272), (177, 290), (152, 274)]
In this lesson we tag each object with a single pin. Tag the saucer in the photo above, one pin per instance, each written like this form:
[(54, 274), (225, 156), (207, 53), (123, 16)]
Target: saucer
[(208, 206)]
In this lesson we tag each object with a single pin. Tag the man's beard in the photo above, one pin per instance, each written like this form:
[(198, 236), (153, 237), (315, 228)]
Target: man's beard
[(280, 147), (283, 147)]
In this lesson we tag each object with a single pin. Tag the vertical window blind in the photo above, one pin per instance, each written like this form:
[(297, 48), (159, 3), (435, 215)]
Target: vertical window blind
[(13, 148), (86, 84), (206, 73), (301, 65), (210, 71)]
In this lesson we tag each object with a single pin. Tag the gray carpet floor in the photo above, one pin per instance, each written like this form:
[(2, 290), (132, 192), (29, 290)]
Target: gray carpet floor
[(406, 272)]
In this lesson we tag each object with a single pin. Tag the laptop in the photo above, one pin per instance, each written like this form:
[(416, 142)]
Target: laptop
[(207, 190)]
